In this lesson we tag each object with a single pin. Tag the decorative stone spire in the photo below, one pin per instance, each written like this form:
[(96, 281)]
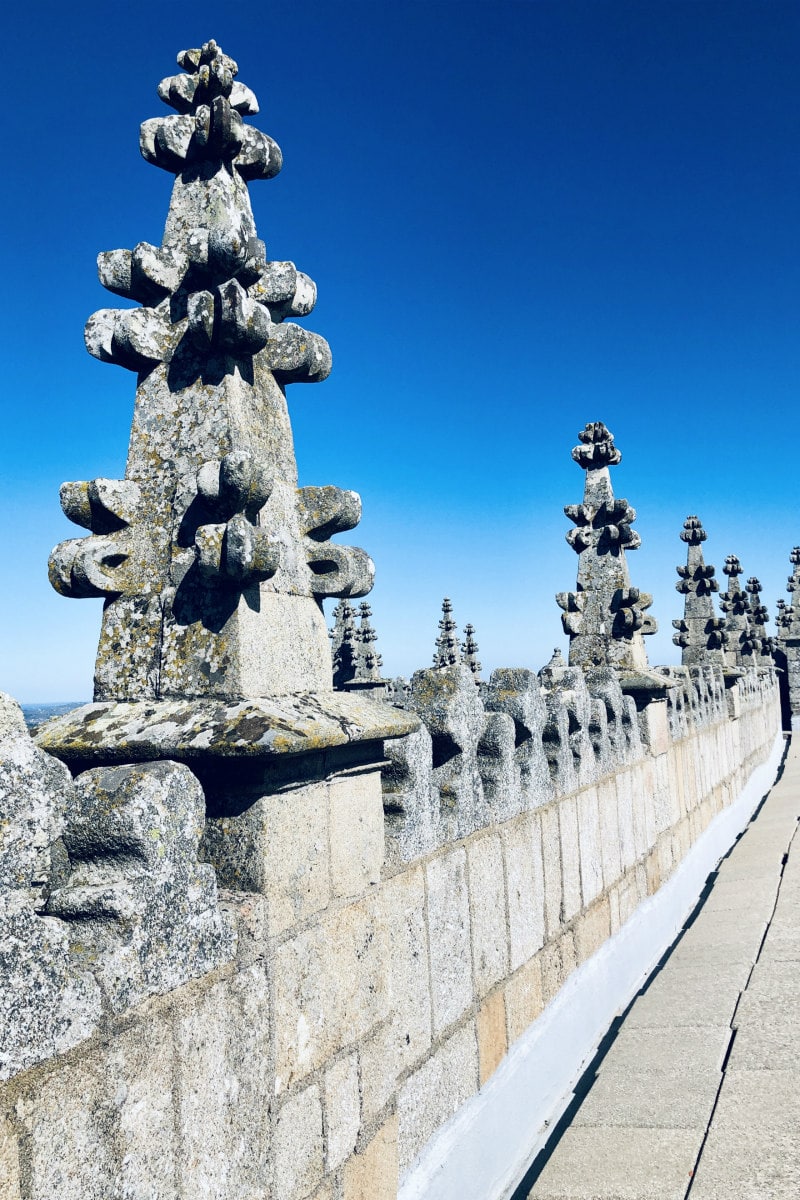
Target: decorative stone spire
[(788, 639), (605, 617), (368, 660), (738, 646), (760, 641), (343, 643), (700, 632), (469, 651), (212, 563), (448, 647)]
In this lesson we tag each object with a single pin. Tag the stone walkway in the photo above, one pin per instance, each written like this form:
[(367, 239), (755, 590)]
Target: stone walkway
[(698, 1094)]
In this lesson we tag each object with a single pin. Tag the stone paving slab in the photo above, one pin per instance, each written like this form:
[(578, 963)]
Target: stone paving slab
[(676, 1101), (681, 998), (619, 1164), (753, 1146), (765, 1047), (662, 1051)]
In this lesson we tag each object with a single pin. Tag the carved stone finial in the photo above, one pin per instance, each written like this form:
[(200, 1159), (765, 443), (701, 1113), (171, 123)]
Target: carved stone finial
[(469, 651), (738, 633), (448, 647), (597, 447), (212, 562), (693, 531), (368, 660), (700, 633), (605, 617), (343, 643)]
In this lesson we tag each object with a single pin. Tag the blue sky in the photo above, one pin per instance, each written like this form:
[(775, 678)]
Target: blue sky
[(520, 217)]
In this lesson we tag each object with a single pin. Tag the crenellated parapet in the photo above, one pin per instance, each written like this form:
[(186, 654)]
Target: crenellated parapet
[(700, 632)]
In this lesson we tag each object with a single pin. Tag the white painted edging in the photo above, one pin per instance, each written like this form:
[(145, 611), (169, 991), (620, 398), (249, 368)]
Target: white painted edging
[(484, 1150)]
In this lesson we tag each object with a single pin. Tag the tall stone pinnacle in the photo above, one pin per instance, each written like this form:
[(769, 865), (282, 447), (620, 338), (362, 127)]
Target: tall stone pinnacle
[(760, 641), (700, 632), (448, 648), (469, 651), (605, 617), (212, 563), (734, 603)]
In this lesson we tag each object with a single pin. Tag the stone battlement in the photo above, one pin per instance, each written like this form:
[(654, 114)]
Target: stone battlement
[(270, 924)]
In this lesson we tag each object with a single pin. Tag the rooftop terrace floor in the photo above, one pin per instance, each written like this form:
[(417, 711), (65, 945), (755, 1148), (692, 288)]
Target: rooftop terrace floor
[(695, 1094)]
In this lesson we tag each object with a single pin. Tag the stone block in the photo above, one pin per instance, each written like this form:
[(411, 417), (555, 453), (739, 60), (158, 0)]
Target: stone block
[(143, 911), (523, 997), (433, 1093), (610, 840), (589, 840), (356, 833), (48, 1002), (558, 962), (592, 929), (278, 847), (551, 856), (297, 1159), (106, 1125), (488, 918), (449, 938), (342, 1110), (222, 1080), (525, 891), (9, 1162), (372, 1174), (330, 987), (570, 857), (406, 1035), (659, 1051), (655, 727), (70, 1124), (492, 1044)]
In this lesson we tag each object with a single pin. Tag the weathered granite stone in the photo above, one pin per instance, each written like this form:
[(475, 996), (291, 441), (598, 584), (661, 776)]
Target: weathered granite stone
[(605, 617), (469, 651), (448, 701), (212, 563), (787, 653), (142, 911), (738, 635), (700, 633), (47, 1002)]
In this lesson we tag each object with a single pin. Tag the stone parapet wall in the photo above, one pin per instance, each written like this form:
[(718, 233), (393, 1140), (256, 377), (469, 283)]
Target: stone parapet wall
[(380, 975)]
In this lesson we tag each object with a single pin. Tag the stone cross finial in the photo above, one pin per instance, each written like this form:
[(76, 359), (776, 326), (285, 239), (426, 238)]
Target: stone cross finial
[(700, 633), (212, 563), (469, 651), (448, 647), (605, 617)]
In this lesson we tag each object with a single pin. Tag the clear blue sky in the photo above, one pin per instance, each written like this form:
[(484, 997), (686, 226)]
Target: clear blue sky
[(520, 217)]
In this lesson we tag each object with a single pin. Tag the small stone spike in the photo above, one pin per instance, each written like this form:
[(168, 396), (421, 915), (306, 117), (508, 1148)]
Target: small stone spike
[(605, 617), (448, 647), (469, 651), (700, 633)]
